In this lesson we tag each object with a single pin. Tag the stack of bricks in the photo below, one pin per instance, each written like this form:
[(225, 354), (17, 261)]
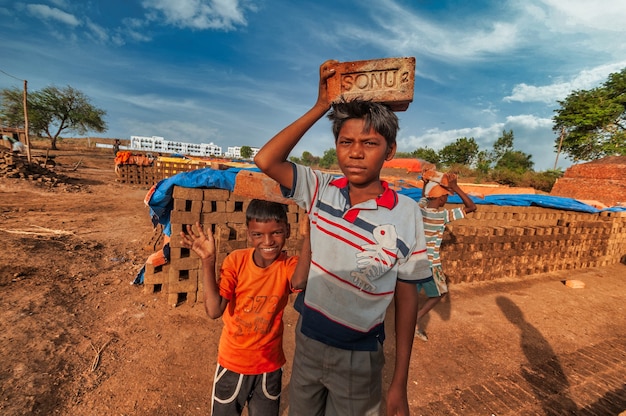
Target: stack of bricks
[(162, 168), (504, 241), (136, 175), (224, 213), (602, 180), (168, 167), (155, 277), (492, 243)]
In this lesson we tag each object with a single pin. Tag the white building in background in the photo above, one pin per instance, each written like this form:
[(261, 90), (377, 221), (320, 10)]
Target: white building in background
[(235, 152), (160, 145)]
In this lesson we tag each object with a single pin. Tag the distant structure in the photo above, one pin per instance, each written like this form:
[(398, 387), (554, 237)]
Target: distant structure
[(160, 145), (235, 152)]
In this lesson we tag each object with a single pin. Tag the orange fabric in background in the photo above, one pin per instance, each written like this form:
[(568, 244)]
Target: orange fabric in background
[(157, 259), (122, 157), (127, 158), (411, 165)]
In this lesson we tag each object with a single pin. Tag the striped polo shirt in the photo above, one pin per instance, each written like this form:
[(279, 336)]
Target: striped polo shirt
[(358, 253), (434, 225)]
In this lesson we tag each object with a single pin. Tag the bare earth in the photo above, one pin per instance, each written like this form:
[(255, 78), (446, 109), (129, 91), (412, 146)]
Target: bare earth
[(76, 338)]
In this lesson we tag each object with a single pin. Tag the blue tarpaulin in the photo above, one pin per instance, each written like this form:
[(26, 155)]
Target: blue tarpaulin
[(520, 200), (161, 201)]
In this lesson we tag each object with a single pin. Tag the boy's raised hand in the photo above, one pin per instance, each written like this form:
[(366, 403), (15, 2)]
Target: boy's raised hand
[(452, 182), (326, 71), (201, 242)]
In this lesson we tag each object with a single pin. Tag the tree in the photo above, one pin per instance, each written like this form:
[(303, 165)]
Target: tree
[(516, 161), (52, 111), (483, 162), (502, 145), (246, 152), (593, 121), (462, 152), (427, 154), (307, 159), (12, 110), (403, 155), (504, 155), (329, 158)]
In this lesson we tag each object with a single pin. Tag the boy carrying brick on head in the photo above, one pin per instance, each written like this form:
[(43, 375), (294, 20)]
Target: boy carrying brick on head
[(435, 196), (250, 295), (367, 247)]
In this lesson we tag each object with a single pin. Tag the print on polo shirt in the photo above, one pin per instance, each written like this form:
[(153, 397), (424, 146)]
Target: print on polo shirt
[(375, 259)]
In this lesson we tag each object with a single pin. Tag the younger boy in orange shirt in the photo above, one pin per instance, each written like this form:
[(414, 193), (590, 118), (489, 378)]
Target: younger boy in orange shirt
[(250, 296)]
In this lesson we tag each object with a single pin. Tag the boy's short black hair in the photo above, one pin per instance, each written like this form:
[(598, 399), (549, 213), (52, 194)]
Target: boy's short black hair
[(376, 115), (264, 211)]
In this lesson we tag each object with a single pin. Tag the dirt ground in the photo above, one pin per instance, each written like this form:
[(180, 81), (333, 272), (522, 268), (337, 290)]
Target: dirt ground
[(76, 338)]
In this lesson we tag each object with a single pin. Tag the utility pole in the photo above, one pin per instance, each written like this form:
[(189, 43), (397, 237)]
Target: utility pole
[(26, 138), (560, 143)]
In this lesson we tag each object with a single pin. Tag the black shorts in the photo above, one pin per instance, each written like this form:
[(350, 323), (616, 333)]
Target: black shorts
[(231, 392)]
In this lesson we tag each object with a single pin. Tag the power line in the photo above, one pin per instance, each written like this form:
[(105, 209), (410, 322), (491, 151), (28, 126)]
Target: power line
[(7, 74)]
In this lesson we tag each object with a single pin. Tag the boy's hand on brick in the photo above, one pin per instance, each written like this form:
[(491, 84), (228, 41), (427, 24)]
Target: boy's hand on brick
[(201, 242), (326, 71), (452, 182)]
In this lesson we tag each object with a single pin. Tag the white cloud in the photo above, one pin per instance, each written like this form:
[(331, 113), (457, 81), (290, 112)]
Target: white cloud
[(437, 139), (198, 14), (97, 31), (527, 122), (594, 14), (584, 80), (45, 12), (410, 34), (155, 102), (544, 25)]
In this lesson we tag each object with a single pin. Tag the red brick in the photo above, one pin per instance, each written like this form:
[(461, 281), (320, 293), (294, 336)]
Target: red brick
[(192, 194), (216, 195), (256, 185), (389, 80)]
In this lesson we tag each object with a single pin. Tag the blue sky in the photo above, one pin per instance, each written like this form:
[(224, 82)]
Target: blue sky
[(235, 72)]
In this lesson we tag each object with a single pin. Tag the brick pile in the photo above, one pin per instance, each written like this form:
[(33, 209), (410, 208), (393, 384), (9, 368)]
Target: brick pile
[(13, 165), (504, 241), (133, 174), (225, 213), (166, 168), (602, 180), (136, 175), (492, 243)]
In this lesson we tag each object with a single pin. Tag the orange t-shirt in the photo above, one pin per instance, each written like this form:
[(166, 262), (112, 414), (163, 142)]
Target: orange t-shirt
[(252, 337)]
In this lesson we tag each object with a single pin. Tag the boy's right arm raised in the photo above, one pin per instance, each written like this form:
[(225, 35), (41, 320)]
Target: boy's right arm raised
[(272, 158), (470, 206)]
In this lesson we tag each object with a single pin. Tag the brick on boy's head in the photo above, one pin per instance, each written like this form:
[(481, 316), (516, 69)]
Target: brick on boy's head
[(264, 211), (434, 190), (376, 115)]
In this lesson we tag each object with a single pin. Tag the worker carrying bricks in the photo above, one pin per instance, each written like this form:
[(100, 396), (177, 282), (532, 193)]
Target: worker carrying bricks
[(437, 187)]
